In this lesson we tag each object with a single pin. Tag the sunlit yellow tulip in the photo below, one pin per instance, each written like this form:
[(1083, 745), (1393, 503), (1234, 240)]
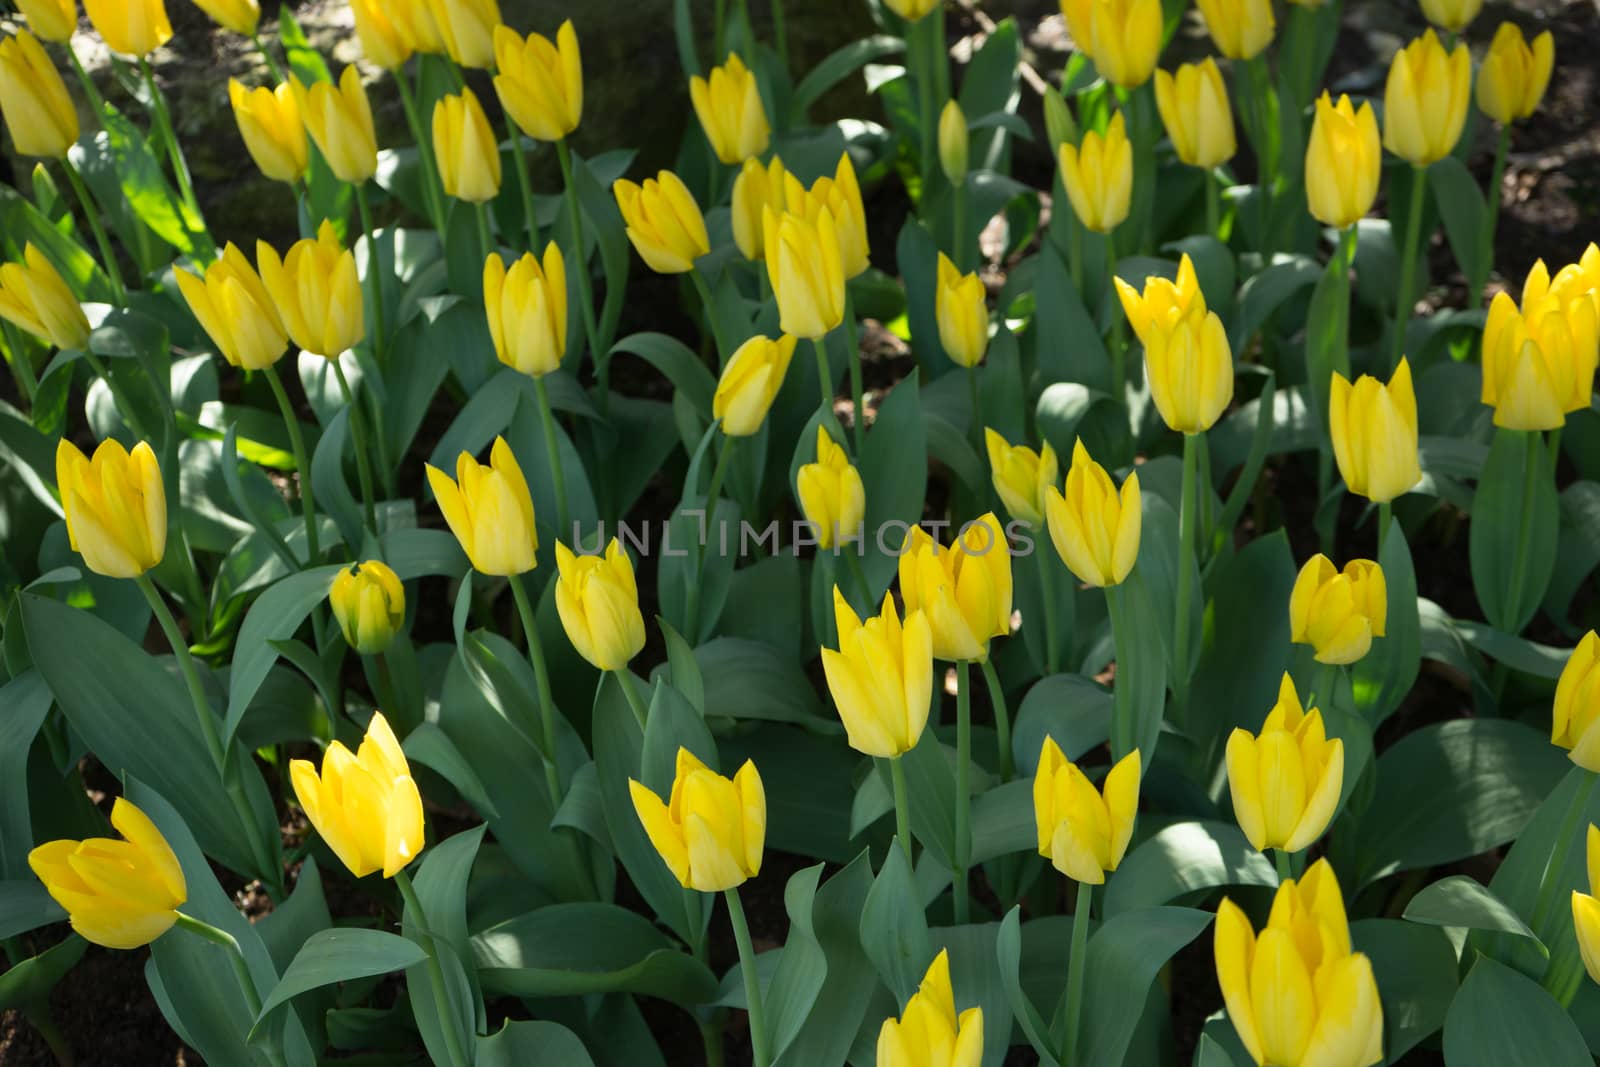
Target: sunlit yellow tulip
[(841, 195), (317, 291), (1425, 100), (1194, 109), (39, 111), (1095, 528), (51, 20), (911, 10), (1575, 715), (756, 189), (466, 147), (1586, 908), (1539, 360), (598, 601), (881, 677), (467, 27), (832, 497), (953, 142), (929, 1032), (1084, 832), (1189, 364), (1125, 39), (370, 604), (806, 268), (730, 111), (961, 306), (964, 589), (35, 297), (240, 16), (1514, 76), (365, 805), (339, 119), (273, 131), (1338, 614), (1163, 299), (750, 381), (382, 32), (527, 310), (1452, 15), (1374, 430), (115, 505), (712, 832), (1098, 176), (1344, 160), (489, 509), (540, 84), (132, 27), (1022, 477), (1239, 28), (664, 223), (233, 307), (1285, 781), (413, 20)]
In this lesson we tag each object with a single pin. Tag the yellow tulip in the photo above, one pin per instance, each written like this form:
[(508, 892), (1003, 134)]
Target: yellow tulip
[(730, 111), (489, 509), (233, 307), (115, 505), (1094, 527), (339, 119), (1344, 160), (240, 16), (1575, 715), (467, 27), (664, 223), (1098, 176), (1239, 28), (370, 604), (1539, 361), (832, 497), (1022, 477), (1126, 39), (1189, 364), (53, 20), (382, 33), (1194, 109), (964, 589), (598, 601), (1162, 301), (1514, 76), (749, 382), (366, 805), (953, 142), (929, 1032), (841, 195), (527, 310), (132, 27), (414, 23), (540, 84), (1338, 614), (756, 189), (1286, 780), (39, 111), (1452, 15), (118, 893), (911, 10), (1374, 430), (468, 153), (35, 297), (1586, 909), (712, 832), (881, 677), (1297, 995), (273, 131), (961, 306), (806, 267), (317, 291), (1083, 832), (1425, 100)]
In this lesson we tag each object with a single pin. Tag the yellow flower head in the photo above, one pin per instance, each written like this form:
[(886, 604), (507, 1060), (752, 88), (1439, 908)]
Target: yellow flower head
[(841, 196), (540, 84), (1239, 28), (527, 310), (1194, 109), (961, 306), (964, 589), (832, 497), (1094, 527), (1098, 176), (755, 190), (116, 506), (911, 10), (1452, 15), (598, 601), (365, 806), (1514, 76), (1575, 715), (1162, 301), (1126, 39), (339, 119), (1586, 908), (489, 509), (1285, 780), (1338, 614), (1189, 364), (269, 121), (383, 32), (929, 1032), (317, 291), (1539, 361), (730, 111), (467, 27), (1374, 429), (1084, 832), (233, 307), (240, 16), (131, 27), (1022, 477), (1425, 100), (370, 604), (881, 677), (750, 382), (34, 297), (664, 223), (712, 831), (466, 147), (39, 111), (953, 142), (1344, 160), (53, 20), (805, 264)]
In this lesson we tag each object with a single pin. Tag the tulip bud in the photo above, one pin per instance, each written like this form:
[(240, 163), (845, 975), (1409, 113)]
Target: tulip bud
[(806, 267), (317, 291), (1539, 362), (527, 310), (1344, 161), (911, 10), (961, 305), (881, 677), (240, 16), (370, 604), (1374, 430), (664, 223), (1082, 832), (1059, 125), (750, 381), (365, 806), (467, 27), (540, 84), (1163, 300), (468, 153), (712, 832), (930, 1032), (39, 111), (1239, 28), (34, 297), (730, 111), (117, 893), (382, 33), (841, 195), (1586, 909), (1079, 15), (233, 307), (269, 121), (953, 142), (756, 189), (489, 509), (832, 497), (1452, 15), (131, 27), (1338, 614), (1286, 780), (1098, 176), (1194, 109), (964, 590), (414, 23), (1094, 527), (1513, 77), (1425, 100), (115, 505), (340, 121), (598, 601), (52, 20), (1575, 716), (1022, 477), (1126, 39), (1189, 365)]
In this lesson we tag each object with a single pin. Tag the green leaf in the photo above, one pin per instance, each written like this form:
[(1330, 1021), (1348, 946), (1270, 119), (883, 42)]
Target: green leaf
[(523, 1041), (810, 784), (1003, 821), (22, 224), (1184, 858), (1520, 654), (1143, 666), (1460, 901), (893, 465), (441, 889), (145, 186), (1008, 947), (836, 68), (1415, 967), (1504, 1019), (1073, 710), (1267, 291), (841, 1003), (802, 965), (1464, 211), (340, 955), (31, 980), (432, 747), (918, 257), (682, 367), (672, 723), (1516, 516), (1067, 344), (328, 481), (750, 680), (25, 906), (894, 931), (275, 616), (1124, 955), (1386, 674), (27, 701)]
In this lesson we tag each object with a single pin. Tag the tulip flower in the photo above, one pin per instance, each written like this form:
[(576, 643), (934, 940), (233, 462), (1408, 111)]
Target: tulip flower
[(39, 111), (1022, 477), (730, 111), (964, 589), (273, 131), (317, 291), (365, 806), (664, 223), (1374, 430), (1425, 100), (370, 604), (131, 27), (1338, 614), (1162, 301), (383, 33), (339, 120), (841, 195), (881, 677), (118, 893), (1452, 15), (1586, 908), (1344, 160), (911, 10), (598, 601), (233, 307), (414, 22), (961, 304), (115, 505), (527, 310), (1084, 833), (1241, 29), (53, 20), (1189, 364), (489, 509), (1124, 38), (1575, 715), (1539, 361), (712, 832), (1098, 176), (1194, 109), (240, 16), (540, 84), (1094, 527), (1296, 994), (467, 27), (1514, 76), (1286, 780), (756, 189), (806, 267), (35, 297), (929, 1031), (749, 382), (467, 150), (953, 142), (832, 497)]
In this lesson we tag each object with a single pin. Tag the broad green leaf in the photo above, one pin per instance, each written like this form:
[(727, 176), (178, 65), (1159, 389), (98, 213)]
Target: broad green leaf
[(893, 466), (894, 932), (441, 889), (1516, 515), (802, 965), (1003, 821), (25, 906), (1073, 710), (673, 723), (1382, 678), (275, 616), (524, 1041), (750, 680), (1267, 291), (682, 367), (1504, 1019), (1185, 858), (1460, 901), (837, 67), (27, 701), (1416, 972), (30, 980), (841, 1003), (1008, 947), (340, 955), (1124, 955), (1461, 205)]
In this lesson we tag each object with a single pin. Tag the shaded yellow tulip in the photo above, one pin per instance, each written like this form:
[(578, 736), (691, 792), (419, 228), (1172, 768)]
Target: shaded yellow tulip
[(115, 505), (1194, 109), (1241, 29), (1575, 715), (317, 291), (527, 310), (540, 84), (240, 16), (1095, 528), (1098, 176), (39, 111), (489, 509), (598, 601), (273, 131), (712, 833), (664, 223), (1425, 100), (832, 496), (1539, 360), (1022, 477), (961, 307), (1514, 76), (964, 589), (1586, 908), (1163, 299), (370, 604), (365, 805), (750, 382), (52, 20), (953, 142), (1189, 365), (1344, 160), (34, 297), (131, 27), (929, 1031), (806, 268), (841, 195), (730, 111), (1285, 781), (1452, 15), (1084, 832), (1374, 430), (1338, 614), (339, 119), (466, 147), (467, 27), (1126, 39), (382, 32), (881, 677), (413, 21), (755, 190), (233, 307), (911, 10)]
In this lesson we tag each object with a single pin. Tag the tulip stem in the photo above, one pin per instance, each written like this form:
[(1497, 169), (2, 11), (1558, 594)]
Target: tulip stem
[(1075, 969), (558, 474), (853, 563), (928, 45), (114, 272), (963, 788), (1284, 864), (1533, 471), (358, 432), (541, 678), (630, 689), (975, 425), (958, 237), (902, 808), (272, 62), (1002, 718), (1123, 739), (713, 494), (297, 443), (824, 372), (1408, 266), (432, 191), (1213, 206), (760, 1056), (89, 87), (1052, 657), (485, 234), (524, 183), (580, 254), (1385, 516), (1502, 148), (374, 271), (241, 969), (180, 166), (857, 392), (1186, 525), (1119, 355), (441, 994)]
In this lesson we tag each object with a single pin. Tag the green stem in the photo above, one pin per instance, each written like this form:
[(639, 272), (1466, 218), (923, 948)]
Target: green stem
[(1119, 355), (524, 183), (958, 238), (241, 969), (927, 45), (713, 494), (1075, 969), (374, 272), (541, 677), (780, 33), (859, 574), (824, 372), (358, 434), (719, 32), (441, 994), (1002, 718), (707, 307), (975, 424), (1502, 148), (745, 28), (485, 232), (1213, 206), (297, 443), (107, 255), (557, 473), (1284, 864), (630, 689), (180, 166), (1186, 526), (272, 62), (902, 808), (579, 260), (126, 411), (1408, 266), (433, 191), (963, 788), (1052, 656), (89, 88), (760, 1056), (1256, 69), (1385, 515), (1122, 732), (1533, 470), (857, 390)]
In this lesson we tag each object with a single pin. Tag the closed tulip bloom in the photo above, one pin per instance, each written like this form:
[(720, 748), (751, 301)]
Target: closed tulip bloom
[(1241, 29), (1084, 832), (1285, 781), (930, 1033), (527, 310), (39, 111), (1575, 716), (806, 268), (370, 604), (961, 305), (382, 33), (1094, 527), (1098, 176), (240, 16), (1514, 76), (468, 153), (664, 223), (1452, 15), (1344, 160), (598, 601), (1586, 909), (964, 589), (911, 10), (1022, 477), (413, 21), (317, 291), (1374, 430), (756, 189), (233, 307), (712, 832), (730, 111), (34, 297), (1338, 614), (115, 505), (1126, 39), (749, 382), (832, 497), (1189, 364), (953, 142), (1296, 994), (1425, 100), (881, 677), (273, 131), (339, 119), (131, 27), (53, 20), (841, 195), (540, 84), (489, 509), (118, 893), (1194, 109), (1163, 300), (467, 27), (366, 805), (1539, 360)]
